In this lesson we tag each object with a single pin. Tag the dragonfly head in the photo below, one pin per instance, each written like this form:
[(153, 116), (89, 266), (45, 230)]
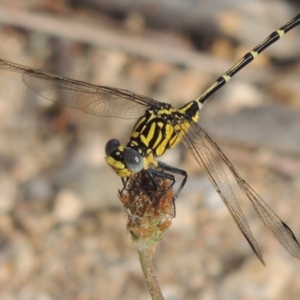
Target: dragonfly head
[(124, 160)]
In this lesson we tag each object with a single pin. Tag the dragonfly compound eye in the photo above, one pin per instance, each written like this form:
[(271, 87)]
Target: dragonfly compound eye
[(133, 160), (111, 146)]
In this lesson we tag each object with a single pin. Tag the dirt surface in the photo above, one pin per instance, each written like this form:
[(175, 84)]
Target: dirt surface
[(62, 227)]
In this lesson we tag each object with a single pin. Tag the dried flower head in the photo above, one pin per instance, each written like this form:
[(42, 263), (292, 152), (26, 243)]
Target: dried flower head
[(149, 210)]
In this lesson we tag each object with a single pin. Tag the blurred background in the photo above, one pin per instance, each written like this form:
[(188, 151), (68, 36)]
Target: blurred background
[(62, 227)]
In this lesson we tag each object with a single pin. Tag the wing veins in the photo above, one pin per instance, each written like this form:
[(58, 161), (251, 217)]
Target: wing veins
[(95, 99), (270, 219), (219, 180)]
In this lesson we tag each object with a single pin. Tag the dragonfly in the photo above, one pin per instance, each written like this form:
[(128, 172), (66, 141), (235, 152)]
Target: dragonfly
[(160, 127)]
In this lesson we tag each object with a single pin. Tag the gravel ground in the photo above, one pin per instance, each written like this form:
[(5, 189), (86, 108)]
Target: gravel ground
[(62, 227)]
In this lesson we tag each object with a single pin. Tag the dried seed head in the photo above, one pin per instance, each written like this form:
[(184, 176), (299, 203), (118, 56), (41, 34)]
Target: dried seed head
[(149, 211)]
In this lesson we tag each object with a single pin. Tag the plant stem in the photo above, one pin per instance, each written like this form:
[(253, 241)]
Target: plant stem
[(146, 255)]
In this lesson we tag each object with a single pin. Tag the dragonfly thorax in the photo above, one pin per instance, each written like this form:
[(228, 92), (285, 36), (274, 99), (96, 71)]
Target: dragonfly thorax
[(159, 129)]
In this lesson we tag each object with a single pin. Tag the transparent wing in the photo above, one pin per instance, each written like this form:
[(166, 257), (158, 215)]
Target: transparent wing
[(98, 100), (196, 141)]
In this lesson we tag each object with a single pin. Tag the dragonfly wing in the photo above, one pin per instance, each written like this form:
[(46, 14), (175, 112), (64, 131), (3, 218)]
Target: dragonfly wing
[(281, 231), (195, 140), (90, 98)]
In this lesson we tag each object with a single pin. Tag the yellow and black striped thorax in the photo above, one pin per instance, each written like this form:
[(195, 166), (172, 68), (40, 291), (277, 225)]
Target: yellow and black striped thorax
[(162, 127)]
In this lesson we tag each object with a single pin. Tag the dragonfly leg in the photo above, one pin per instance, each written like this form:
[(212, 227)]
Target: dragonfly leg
[(171, 170)]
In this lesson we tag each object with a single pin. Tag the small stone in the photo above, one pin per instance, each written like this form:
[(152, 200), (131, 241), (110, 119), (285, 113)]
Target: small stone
[(68, 206)]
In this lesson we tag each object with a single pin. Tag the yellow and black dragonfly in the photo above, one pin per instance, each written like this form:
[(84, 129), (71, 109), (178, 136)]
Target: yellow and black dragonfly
[(161, 127)]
